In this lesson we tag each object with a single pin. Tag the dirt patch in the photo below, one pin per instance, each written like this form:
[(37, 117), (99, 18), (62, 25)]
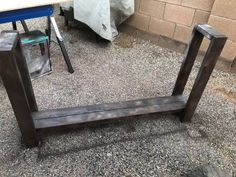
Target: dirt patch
[(227, 94), (224, 92), (124, 40)]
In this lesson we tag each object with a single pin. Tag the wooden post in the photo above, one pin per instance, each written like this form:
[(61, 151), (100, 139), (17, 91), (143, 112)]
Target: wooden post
[(24, 72), (188, 62), (203, 76), (214, 50), (10, 57)]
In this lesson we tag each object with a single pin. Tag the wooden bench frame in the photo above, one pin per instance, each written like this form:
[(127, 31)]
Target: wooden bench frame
[(16, 79)]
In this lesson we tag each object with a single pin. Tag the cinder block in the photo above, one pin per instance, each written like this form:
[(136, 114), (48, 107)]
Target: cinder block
[(161, 27), (233, 67), (200, 17), (229, 51), (139, 21), (152, 7), (204, 45), (224, 25), (225, 8), (136, 4), (183, 33), (199, 4), (172, 1), (179, 14)]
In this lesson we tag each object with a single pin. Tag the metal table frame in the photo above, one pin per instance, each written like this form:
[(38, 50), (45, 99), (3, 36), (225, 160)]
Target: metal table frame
[(15, 76)]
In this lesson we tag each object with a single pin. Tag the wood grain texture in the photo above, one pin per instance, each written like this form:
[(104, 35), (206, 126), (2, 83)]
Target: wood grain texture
[(14, 85), (24, 72), (217, 42), (207, 66), (86, 114), (188, 62), (20, 92)]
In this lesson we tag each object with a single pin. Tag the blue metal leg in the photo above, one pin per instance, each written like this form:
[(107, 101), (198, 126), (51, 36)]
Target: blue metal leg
[(14, 26), (25, 27)]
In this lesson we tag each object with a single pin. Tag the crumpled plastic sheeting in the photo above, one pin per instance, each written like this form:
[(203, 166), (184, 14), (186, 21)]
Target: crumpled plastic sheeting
[(104, 16)]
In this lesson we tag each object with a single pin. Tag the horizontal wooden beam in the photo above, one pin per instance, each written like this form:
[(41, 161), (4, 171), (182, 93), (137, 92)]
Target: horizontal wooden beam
[(209, 32), (92, 113)]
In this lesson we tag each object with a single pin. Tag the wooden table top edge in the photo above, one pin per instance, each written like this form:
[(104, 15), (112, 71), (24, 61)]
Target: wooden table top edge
[(14, 5)]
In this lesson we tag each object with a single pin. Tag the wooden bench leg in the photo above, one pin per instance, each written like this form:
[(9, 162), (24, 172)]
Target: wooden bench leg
[(25, 76), (217, 42), (15, 79), (188, 62), (203, 76)]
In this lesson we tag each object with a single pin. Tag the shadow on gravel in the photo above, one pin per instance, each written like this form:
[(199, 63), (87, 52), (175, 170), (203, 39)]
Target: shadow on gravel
[(126, 127)]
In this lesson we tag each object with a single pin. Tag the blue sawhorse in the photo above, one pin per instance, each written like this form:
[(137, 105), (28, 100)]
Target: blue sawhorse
[(36, 12)]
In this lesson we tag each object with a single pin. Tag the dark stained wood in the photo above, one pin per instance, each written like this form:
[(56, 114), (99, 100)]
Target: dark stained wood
[(15, 76), (188, 62), (217, 43), (24, 72), (15, 87), (208, 64), (86, 114), (209, 32)]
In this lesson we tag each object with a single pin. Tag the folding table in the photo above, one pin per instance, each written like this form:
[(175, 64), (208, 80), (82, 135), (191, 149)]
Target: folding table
[(7, 16)]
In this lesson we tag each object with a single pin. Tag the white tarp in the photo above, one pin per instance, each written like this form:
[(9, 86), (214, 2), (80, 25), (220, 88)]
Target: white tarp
[(102, 16)]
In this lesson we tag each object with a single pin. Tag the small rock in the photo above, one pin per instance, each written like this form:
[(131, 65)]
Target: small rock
[(109, 154), (193, 133)]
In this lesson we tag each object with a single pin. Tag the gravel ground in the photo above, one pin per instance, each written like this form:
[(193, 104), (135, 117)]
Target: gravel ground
[(157, 145)]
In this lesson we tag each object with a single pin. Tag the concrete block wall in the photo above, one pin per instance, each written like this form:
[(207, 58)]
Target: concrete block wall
[(175, 19), (223, 17)]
